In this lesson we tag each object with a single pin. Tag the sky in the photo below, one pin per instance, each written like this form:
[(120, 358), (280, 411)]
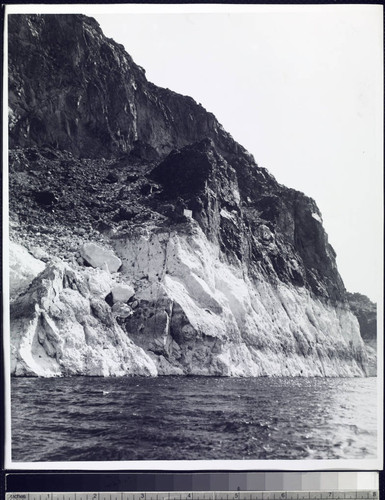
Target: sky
[(300, 87)]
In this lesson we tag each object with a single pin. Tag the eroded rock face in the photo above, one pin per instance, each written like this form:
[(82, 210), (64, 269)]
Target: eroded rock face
[(205, 317), (59, 98), (217, 269), (255, 221), (62, 326), (194, 314), (366, 312)]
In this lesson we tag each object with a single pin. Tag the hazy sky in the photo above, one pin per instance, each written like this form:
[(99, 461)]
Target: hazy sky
[(299, 86)]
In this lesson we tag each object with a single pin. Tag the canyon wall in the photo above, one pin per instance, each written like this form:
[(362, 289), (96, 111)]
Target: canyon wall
[(146, 241)]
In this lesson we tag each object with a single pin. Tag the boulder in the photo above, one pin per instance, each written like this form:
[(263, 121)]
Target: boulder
[(100, 257), (39, 254), (23, 269), (121, 310), (99, 283), (122, 292)]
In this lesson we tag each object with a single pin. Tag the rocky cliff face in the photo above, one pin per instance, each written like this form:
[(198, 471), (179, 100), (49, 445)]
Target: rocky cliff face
[(366, 312), (115, 182), (72, 88), (62, 324)]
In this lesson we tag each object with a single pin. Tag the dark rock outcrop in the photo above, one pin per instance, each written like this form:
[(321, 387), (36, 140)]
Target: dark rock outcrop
[(73, 89), (270, 228), (366, 312)]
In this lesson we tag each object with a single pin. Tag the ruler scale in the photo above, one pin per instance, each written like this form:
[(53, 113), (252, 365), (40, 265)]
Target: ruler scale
[(201, 495)]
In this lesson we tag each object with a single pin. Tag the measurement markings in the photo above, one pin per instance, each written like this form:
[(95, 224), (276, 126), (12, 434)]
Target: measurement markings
[(201, 495)]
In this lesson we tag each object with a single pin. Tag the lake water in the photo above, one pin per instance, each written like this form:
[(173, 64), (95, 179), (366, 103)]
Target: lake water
[(178, 418)]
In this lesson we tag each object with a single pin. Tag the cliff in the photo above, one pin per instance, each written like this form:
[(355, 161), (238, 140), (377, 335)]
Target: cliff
[(366, 312), (72, 88), (116, 184)]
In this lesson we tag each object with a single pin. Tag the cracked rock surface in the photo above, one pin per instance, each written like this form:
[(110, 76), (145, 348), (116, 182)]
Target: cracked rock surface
[(146, 241)]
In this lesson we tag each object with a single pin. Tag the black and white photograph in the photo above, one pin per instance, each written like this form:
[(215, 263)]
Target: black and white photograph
[(193, 231)]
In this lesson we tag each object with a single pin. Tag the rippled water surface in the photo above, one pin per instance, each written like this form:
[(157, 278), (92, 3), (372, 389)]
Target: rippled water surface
[(178, 418)]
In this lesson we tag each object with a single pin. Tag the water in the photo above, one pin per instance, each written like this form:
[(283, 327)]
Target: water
[(179, 418)]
